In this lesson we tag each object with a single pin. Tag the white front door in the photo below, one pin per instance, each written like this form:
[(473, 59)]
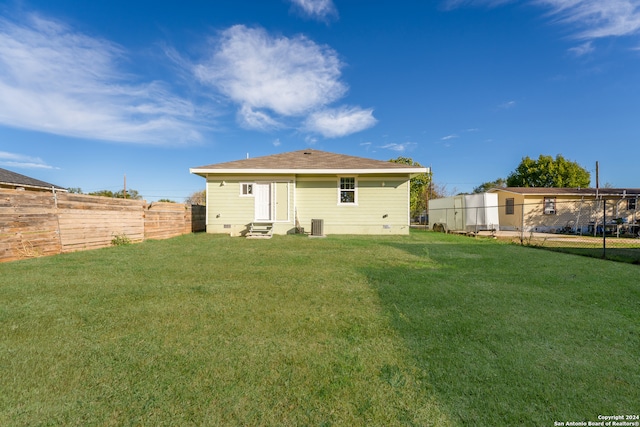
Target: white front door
[(262, 198)]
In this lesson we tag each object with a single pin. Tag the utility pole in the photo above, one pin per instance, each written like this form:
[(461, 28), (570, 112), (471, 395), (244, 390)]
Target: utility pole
[(124, 193)]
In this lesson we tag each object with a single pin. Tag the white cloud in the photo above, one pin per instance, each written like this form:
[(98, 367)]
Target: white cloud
[(290, 76), (56, 80), (317, 9), (259, 120), (507, 105), (448, 137), (22, 161), (590, 19), (597, 18), (583, 49), (333, 123), (399, 147), (276, 80), (276, 142)]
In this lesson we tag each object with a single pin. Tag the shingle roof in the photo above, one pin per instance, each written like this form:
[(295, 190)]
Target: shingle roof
[(308, 161), (570, 191), (10, 178)]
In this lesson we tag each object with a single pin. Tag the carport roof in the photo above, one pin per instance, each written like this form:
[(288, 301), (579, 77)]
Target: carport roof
[(550, 191)]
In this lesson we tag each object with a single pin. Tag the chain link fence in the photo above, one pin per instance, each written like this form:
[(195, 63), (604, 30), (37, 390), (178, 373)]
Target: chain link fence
[(603, 228)]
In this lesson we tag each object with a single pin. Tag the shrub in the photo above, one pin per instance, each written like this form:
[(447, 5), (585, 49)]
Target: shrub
[(120, 240)]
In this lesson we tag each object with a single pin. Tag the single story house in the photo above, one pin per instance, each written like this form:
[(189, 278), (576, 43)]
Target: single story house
[(579, 210), (16, 181), (308, 190)]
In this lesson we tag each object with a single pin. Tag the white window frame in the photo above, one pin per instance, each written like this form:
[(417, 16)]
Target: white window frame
[(549, 206), (246, 189), (510, 206), (354, 190)]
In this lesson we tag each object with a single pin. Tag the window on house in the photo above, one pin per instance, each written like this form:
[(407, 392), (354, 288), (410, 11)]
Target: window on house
[(549, 205), (631, 204), (347, 190), (246, 189), (509, 207)]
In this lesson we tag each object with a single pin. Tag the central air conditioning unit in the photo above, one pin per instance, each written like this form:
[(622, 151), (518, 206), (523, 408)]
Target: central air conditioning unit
[(317, 227)]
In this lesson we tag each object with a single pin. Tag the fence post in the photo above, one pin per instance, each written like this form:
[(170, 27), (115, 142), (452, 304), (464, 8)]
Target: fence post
[(57, 211), (604, 228), (522, 223)]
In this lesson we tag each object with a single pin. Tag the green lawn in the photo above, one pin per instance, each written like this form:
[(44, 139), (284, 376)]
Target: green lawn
[(426, 329), (615, 249)]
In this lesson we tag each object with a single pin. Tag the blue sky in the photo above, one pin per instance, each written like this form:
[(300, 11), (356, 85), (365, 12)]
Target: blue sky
[(93, 91)]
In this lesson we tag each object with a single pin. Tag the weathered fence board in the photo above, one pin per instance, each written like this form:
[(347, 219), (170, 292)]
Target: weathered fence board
[(36, 223), (28, 225), (164, 220), (91, 222)]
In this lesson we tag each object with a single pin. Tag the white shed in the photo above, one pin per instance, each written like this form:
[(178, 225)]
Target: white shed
[(465, 213)]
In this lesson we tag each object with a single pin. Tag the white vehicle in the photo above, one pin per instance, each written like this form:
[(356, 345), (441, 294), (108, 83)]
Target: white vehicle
[(467, 213)]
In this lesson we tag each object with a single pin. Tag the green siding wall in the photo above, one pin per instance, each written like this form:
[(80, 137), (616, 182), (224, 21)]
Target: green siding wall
[(227, 211), (230, 213), (380, 209), (382, 205)]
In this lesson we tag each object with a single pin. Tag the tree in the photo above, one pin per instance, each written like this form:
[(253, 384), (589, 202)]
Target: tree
[(486, 186), (419, 185), (549, 172), (438, 191), (102, 193), (197, 198), (131, 194)]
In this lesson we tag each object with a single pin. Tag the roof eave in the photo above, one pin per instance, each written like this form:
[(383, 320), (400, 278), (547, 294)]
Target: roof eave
[(37, 187), (552, 191), (242, 171)]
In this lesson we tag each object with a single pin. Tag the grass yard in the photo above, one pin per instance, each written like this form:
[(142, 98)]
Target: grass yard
[(425, 329), (616, 249), (614, 253)]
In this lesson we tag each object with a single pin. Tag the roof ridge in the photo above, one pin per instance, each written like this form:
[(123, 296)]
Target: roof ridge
[(310, 158)]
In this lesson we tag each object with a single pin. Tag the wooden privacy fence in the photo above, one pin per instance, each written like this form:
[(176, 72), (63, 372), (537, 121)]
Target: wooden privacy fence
[(46, 223)]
